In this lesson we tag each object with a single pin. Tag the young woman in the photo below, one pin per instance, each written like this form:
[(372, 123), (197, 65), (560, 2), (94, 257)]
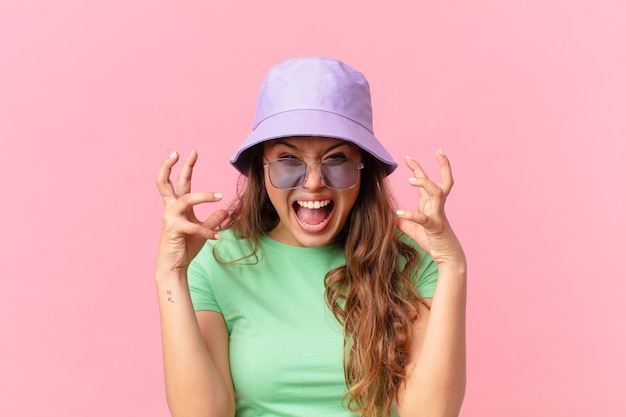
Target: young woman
[(312, 296)]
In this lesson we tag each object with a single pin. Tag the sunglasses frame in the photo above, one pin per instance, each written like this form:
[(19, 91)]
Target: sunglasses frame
[(359, 166)]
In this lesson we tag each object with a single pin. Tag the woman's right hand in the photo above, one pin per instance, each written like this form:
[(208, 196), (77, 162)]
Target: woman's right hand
[(182, 234)]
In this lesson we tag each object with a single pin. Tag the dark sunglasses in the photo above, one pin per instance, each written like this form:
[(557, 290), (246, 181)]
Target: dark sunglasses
[(337, 173)]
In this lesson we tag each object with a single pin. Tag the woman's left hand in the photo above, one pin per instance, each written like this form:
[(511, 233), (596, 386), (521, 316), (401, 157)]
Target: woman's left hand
[(429, 226)]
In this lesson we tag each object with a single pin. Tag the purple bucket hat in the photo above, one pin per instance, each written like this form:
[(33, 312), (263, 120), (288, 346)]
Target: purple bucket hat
[(314, 96)]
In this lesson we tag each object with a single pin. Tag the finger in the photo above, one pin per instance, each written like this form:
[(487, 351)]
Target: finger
[(409, 227), (184, 179), (432, 189), (415, 167), (190, 203), (189, 228), (189, 200), (214, 221), (163, 183), (415, 217), (446, 172)]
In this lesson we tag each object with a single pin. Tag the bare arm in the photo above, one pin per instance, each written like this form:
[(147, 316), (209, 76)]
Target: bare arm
[(195, 348), (197, 372), (436, 375), (435, 383)]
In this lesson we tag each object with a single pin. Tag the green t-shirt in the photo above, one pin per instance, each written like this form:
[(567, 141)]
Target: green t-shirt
[(285, 345)]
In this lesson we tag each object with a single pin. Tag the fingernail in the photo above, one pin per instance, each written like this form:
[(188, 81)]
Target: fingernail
[(407, 157), (217, 195), (173, 154), (412, 179), (400, 212), (217, 236), (441, 151)]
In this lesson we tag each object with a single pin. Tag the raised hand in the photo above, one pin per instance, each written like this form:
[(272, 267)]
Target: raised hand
[(429, 226), (182, 234)]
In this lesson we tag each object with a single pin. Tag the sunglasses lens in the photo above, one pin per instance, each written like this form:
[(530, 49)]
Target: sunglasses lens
[(340, 173), (287, 173)]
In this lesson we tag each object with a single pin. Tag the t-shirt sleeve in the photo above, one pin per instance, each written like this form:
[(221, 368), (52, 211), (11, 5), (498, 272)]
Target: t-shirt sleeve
[(200, 283), (426, 278), (427, 275)]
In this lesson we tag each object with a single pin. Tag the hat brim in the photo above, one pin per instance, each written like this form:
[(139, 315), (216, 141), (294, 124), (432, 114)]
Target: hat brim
[(310, 122)]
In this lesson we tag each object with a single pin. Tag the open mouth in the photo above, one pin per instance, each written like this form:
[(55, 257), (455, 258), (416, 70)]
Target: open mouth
[(313, 215)]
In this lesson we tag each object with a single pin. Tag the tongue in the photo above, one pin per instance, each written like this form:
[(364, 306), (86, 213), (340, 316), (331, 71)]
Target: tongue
[(312, 216)]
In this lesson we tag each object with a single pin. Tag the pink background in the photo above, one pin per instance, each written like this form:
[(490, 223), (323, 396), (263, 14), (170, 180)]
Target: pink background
[(526, 97)]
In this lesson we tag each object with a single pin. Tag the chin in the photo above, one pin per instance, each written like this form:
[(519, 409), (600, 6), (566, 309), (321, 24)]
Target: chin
[(317, 241)]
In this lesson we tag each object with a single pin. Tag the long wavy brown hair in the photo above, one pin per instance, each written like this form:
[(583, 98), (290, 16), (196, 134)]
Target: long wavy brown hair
[(373, 296)]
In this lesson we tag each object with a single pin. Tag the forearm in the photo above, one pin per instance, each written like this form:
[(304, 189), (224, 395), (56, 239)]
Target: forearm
[(435, 384), (193, 382)]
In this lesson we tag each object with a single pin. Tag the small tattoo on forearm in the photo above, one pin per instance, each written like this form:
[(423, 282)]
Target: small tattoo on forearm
[(170, 298)]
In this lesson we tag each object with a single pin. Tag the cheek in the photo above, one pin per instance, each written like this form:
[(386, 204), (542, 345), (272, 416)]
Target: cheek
[(268, 187), (354, 192), (350, 199), (277, 197)]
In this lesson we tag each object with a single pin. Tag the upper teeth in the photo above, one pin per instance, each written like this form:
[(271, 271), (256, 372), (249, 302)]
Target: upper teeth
[(313, 204)]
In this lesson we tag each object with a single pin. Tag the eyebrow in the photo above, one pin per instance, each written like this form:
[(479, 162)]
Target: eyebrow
[(292, 146)]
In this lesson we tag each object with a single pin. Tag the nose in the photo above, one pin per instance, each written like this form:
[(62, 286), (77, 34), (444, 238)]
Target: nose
[(313, 179)]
